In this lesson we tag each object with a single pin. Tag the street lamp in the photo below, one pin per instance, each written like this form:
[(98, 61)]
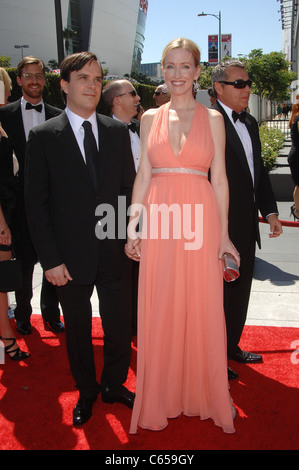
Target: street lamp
[(220, 37), (23, 46)]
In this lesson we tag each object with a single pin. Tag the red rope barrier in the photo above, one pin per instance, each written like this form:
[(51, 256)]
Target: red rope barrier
[(284, 223)]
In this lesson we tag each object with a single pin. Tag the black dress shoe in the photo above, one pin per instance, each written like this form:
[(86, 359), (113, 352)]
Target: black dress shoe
[(54, 326), (24, 327), (83, 410), (247, 357), (232, 375), (124, 396)]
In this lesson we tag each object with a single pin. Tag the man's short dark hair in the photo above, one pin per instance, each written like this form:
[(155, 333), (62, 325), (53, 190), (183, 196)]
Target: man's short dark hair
[(28, 60), (74, 63), (220, 71)]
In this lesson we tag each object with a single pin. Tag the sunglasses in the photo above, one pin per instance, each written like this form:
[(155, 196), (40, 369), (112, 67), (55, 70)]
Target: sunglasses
[(159, 93), (238, 83), (132, 92)]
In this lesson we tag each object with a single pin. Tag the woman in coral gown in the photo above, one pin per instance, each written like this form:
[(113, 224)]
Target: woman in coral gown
[(181, 348)]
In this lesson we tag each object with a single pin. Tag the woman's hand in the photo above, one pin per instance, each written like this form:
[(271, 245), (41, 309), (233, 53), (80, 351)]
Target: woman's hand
[(133, 248), (226, 246)]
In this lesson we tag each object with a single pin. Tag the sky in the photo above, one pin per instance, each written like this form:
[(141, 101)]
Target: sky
[(254, 24)]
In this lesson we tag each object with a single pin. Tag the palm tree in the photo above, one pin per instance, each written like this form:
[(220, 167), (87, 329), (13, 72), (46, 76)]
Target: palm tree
[(68, 34)]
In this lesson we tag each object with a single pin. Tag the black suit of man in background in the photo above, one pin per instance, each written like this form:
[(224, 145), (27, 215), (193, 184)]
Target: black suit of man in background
[(249, 192), (17, 119)]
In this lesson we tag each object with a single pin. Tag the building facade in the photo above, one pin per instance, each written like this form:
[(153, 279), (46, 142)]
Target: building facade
[(113, 30), (290, 37)]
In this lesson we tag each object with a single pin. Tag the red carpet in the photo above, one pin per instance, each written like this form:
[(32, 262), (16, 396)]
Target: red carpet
[(38, 396)]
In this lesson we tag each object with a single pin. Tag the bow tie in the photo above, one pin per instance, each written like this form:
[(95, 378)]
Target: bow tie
[(37, 108), (240, 116), (132, 127)]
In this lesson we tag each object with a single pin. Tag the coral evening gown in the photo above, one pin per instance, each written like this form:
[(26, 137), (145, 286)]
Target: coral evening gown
[(181, 342)]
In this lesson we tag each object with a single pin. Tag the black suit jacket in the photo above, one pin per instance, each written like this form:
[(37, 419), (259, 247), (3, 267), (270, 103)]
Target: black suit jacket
[(61, 200), (246, 199), (12, 122)]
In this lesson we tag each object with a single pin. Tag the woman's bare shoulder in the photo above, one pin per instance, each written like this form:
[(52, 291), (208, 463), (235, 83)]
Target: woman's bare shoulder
[(148, 116), (215, 115)]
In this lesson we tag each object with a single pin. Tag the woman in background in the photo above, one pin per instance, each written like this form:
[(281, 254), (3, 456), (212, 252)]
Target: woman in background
[(293, 158), (8, 196)]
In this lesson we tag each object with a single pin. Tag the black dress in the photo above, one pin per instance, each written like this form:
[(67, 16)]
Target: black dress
[(8, 188), (293, 158)]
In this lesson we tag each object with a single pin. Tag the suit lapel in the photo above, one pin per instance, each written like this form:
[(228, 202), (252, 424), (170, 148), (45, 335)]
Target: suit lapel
[(17, 121), (235, 141), (255, 149), (70, 147), (103, 148)]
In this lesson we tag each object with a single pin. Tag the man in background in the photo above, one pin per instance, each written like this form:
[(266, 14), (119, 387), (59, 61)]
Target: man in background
[(18, 119), (161, 95), (250, 191), (122, 99)]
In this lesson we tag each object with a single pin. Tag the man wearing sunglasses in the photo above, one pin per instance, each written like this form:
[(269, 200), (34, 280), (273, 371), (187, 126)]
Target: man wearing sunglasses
[(249, 191), (161, 95), (122, 100)]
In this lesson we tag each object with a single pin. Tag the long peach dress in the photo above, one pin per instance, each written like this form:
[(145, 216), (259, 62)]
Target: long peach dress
[(181, 346)]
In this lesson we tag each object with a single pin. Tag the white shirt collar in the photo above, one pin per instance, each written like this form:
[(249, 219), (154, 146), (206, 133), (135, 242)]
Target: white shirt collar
[(76, 121), (24, 102), (228, 110)]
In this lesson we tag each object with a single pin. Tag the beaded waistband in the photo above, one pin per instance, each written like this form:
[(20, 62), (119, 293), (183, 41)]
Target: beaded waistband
[(186, 171)]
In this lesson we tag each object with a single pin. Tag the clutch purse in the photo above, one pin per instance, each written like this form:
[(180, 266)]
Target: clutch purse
[(10, 275), (230, 268)]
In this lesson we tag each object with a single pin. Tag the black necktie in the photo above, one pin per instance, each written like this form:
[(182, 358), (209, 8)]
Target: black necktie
[(240, 116), (132, 127), (37, 108), (91, 152)]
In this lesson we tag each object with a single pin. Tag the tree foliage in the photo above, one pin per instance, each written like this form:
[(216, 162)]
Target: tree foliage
[(271, 75)]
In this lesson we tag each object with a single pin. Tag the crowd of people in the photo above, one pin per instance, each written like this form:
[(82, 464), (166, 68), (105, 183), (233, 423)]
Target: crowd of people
[(204, 165)]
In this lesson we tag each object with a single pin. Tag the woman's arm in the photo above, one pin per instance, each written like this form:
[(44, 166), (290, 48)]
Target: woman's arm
[(219, 182), (143, 177)]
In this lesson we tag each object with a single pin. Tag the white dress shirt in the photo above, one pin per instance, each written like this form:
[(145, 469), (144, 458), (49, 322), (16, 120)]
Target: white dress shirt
[(245, 138), (135, 145), (31, 118), (76, 122)]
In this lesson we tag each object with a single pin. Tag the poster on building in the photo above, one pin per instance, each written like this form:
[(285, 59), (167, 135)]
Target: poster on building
[(226, 43), (213, 48), (143, 5), (213, 45)]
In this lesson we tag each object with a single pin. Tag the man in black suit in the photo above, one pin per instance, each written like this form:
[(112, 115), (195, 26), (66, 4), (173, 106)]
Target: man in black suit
[(122, 100), (17, 119), (249, 192), (78, 166)]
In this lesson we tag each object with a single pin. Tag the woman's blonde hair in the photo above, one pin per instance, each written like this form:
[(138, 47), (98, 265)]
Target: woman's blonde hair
[(5, 78), (182, 43)]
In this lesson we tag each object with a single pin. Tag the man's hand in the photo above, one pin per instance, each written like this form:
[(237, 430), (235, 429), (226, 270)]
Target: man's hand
[(58, 276), (275, 226)]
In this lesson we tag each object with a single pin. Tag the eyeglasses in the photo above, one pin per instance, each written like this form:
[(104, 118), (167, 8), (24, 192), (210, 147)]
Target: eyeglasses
[(30, 76), (160, 93), (132, 92), (238, 83)]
